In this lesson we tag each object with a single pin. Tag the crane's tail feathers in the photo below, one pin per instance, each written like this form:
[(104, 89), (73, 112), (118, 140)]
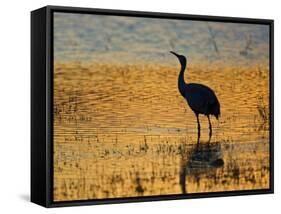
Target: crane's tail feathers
[(215, 110), (217, 113), (217, 116)]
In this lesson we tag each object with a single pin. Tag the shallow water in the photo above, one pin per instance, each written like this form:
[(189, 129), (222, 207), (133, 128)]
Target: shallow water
[(123, 130)]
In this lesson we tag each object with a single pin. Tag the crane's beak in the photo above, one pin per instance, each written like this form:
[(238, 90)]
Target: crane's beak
[(172, 52)]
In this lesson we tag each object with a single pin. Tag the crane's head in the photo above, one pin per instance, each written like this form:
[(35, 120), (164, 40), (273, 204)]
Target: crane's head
[(181, 58)]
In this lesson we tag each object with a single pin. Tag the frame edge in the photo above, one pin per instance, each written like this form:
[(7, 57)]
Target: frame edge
[(38, 152)]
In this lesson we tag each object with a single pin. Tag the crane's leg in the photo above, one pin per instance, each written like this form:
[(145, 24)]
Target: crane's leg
[(210, 128), (198, 127)]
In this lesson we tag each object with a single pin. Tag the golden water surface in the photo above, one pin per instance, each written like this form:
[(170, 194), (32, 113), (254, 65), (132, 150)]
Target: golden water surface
[(123, 130)]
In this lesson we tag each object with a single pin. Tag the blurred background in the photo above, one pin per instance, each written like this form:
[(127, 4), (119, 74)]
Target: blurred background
[(83, 37)]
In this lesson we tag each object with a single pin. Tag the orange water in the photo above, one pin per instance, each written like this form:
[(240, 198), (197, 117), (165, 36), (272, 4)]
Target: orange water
[(123, 130)]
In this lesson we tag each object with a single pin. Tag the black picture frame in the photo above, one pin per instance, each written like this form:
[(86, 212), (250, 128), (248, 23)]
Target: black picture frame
[(42, 104)]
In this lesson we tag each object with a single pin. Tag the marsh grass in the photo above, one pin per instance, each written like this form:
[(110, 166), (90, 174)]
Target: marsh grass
[(263, 111)]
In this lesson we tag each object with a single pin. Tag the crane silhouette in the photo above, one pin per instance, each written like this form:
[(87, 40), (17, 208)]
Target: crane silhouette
[(200, 98)]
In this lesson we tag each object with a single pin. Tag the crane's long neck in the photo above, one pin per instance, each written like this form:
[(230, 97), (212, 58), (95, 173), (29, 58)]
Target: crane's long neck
[(181, 82)]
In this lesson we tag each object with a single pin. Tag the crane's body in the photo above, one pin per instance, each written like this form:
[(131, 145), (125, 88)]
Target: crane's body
[(200, 98)]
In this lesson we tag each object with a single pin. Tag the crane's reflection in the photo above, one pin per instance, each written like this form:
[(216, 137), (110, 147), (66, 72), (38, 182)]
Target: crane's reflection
[(198, 160)]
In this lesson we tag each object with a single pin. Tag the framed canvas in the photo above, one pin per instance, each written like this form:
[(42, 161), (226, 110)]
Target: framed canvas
[(133, 106)]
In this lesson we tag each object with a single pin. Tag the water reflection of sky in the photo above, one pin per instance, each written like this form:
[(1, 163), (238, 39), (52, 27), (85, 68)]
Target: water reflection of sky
[(83, 37)]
